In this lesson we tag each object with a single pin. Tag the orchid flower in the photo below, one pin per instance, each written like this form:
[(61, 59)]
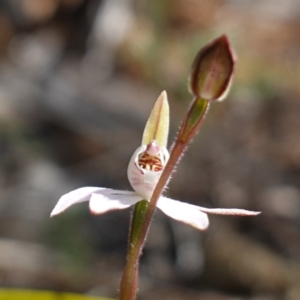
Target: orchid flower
[(144, 170), (210, 80)]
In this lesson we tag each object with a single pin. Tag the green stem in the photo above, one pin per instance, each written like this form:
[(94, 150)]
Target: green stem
[(136, 220), (129, 281)]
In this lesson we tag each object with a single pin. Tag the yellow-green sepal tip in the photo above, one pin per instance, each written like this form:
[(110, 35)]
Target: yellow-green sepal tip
[(157, 126)]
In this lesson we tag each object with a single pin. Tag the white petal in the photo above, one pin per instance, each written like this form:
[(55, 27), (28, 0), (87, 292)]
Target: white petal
[(229, 211), (76, 196), (183, 212), (108, 199)]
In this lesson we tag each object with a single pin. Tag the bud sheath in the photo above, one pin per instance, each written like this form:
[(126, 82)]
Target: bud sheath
[(193, 119)]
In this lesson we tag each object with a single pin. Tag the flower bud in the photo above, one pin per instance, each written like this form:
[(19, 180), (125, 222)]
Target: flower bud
[(212, 70)]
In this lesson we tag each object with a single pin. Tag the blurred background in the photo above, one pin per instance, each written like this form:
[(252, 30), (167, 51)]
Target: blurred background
[(78, 79)]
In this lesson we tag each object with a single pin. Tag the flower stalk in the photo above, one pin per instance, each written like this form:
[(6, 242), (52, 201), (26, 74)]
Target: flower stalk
[(210, 79)]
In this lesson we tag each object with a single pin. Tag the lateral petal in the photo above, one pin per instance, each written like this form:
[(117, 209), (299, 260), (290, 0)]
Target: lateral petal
[(76, 196), (184, 212), (104, 201)]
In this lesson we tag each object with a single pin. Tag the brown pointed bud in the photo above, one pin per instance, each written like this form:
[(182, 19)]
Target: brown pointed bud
[(212, 70)]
